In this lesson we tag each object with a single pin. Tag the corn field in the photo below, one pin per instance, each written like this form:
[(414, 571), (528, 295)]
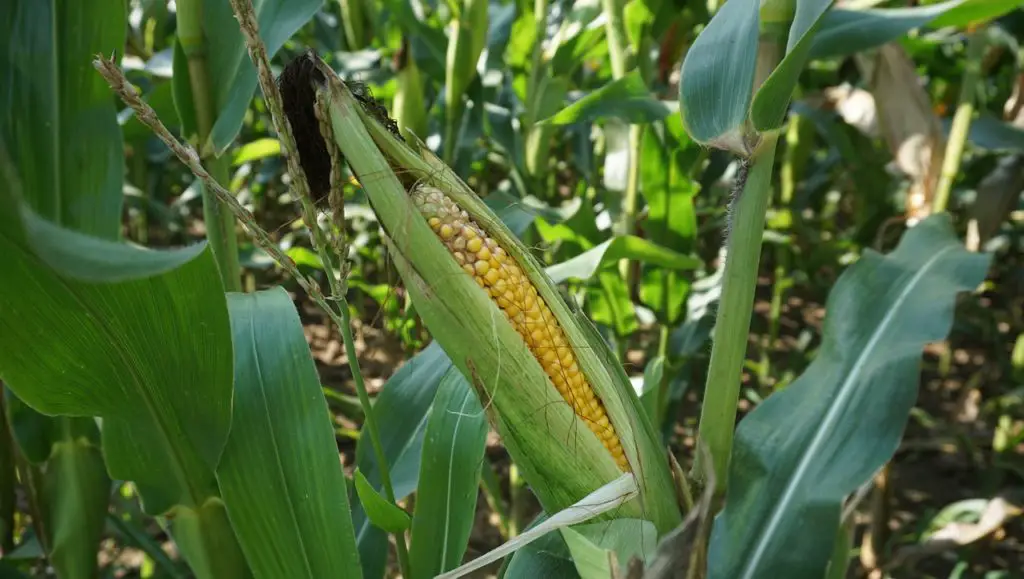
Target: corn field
[(597, 289)]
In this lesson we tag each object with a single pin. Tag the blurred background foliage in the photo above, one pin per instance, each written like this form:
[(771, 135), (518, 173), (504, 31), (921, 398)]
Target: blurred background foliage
[(544, 108)]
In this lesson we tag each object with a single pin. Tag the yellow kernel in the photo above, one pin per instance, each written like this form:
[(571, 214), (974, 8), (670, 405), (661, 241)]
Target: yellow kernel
[(468, 269), (446, 232), (484, 254), (502, 303), (434, 223), (512, 311), (482, 267), (479, 281), (470, 233), (492, 276), (474, 244)]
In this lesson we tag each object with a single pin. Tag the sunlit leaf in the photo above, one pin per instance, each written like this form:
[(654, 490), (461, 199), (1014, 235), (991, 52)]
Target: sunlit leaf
[(772, 99), (627, 98), (409, 393), (57, 118), (280, 475), (585, 265), (845, 415), (718, 74), (446, 497), (844, 32), (381, 513), (256, 150)]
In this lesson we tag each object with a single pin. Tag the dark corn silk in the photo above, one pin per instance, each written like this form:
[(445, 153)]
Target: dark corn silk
[(298, 84), (481, 257)]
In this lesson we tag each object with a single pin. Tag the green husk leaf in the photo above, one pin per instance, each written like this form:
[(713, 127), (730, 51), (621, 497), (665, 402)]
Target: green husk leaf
[(522, 404)]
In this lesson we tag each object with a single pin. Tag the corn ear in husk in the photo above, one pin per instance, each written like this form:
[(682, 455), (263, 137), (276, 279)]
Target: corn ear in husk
[(563, 455)]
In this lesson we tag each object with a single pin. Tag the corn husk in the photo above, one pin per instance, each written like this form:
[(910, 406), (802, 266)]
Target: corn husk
[(561, 459)]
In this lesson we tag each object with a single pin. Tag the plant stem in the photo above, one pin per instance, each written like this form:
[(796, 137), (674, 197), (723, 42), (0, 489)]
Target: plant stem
[(961, 121), (492, 491), (537, 138), (718, 413), (220, 228), (220, 225), (616, 33), (664, 336), (516, 506), (353, 23)]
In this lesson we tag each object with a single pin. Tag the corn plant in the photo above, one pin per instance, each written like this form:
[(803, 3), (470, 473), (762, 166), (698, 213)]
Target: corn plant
[(148, 371)]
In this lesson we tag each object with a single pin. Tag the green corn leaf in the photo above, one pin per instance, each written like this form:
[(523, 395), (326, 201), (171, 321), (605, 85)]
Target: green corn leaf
[(57, 120), (100, 302), (653, 375), (408, 393), (232, 76), (718, 74), (59, 128), (381, 513), (988, 132), (671, 217), (280, 476), (75, 492), (845, 32), (975, 12), (586, 264), (592, 544), (772, 99), (845, 415), (205, 538), (609, 304), (256, 150), (446, 497), (548, 556), (626, 98)]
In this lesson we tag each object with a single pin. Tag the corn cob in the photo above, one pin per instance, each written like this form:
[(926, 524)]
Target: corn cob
[(481, 257)]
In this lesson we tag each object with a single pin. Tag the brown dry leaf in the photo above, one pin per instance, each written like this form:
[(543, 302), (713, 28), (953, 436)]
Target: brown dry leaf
[(907, 123), (997, 513), (1013, 110), (998, 192)]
